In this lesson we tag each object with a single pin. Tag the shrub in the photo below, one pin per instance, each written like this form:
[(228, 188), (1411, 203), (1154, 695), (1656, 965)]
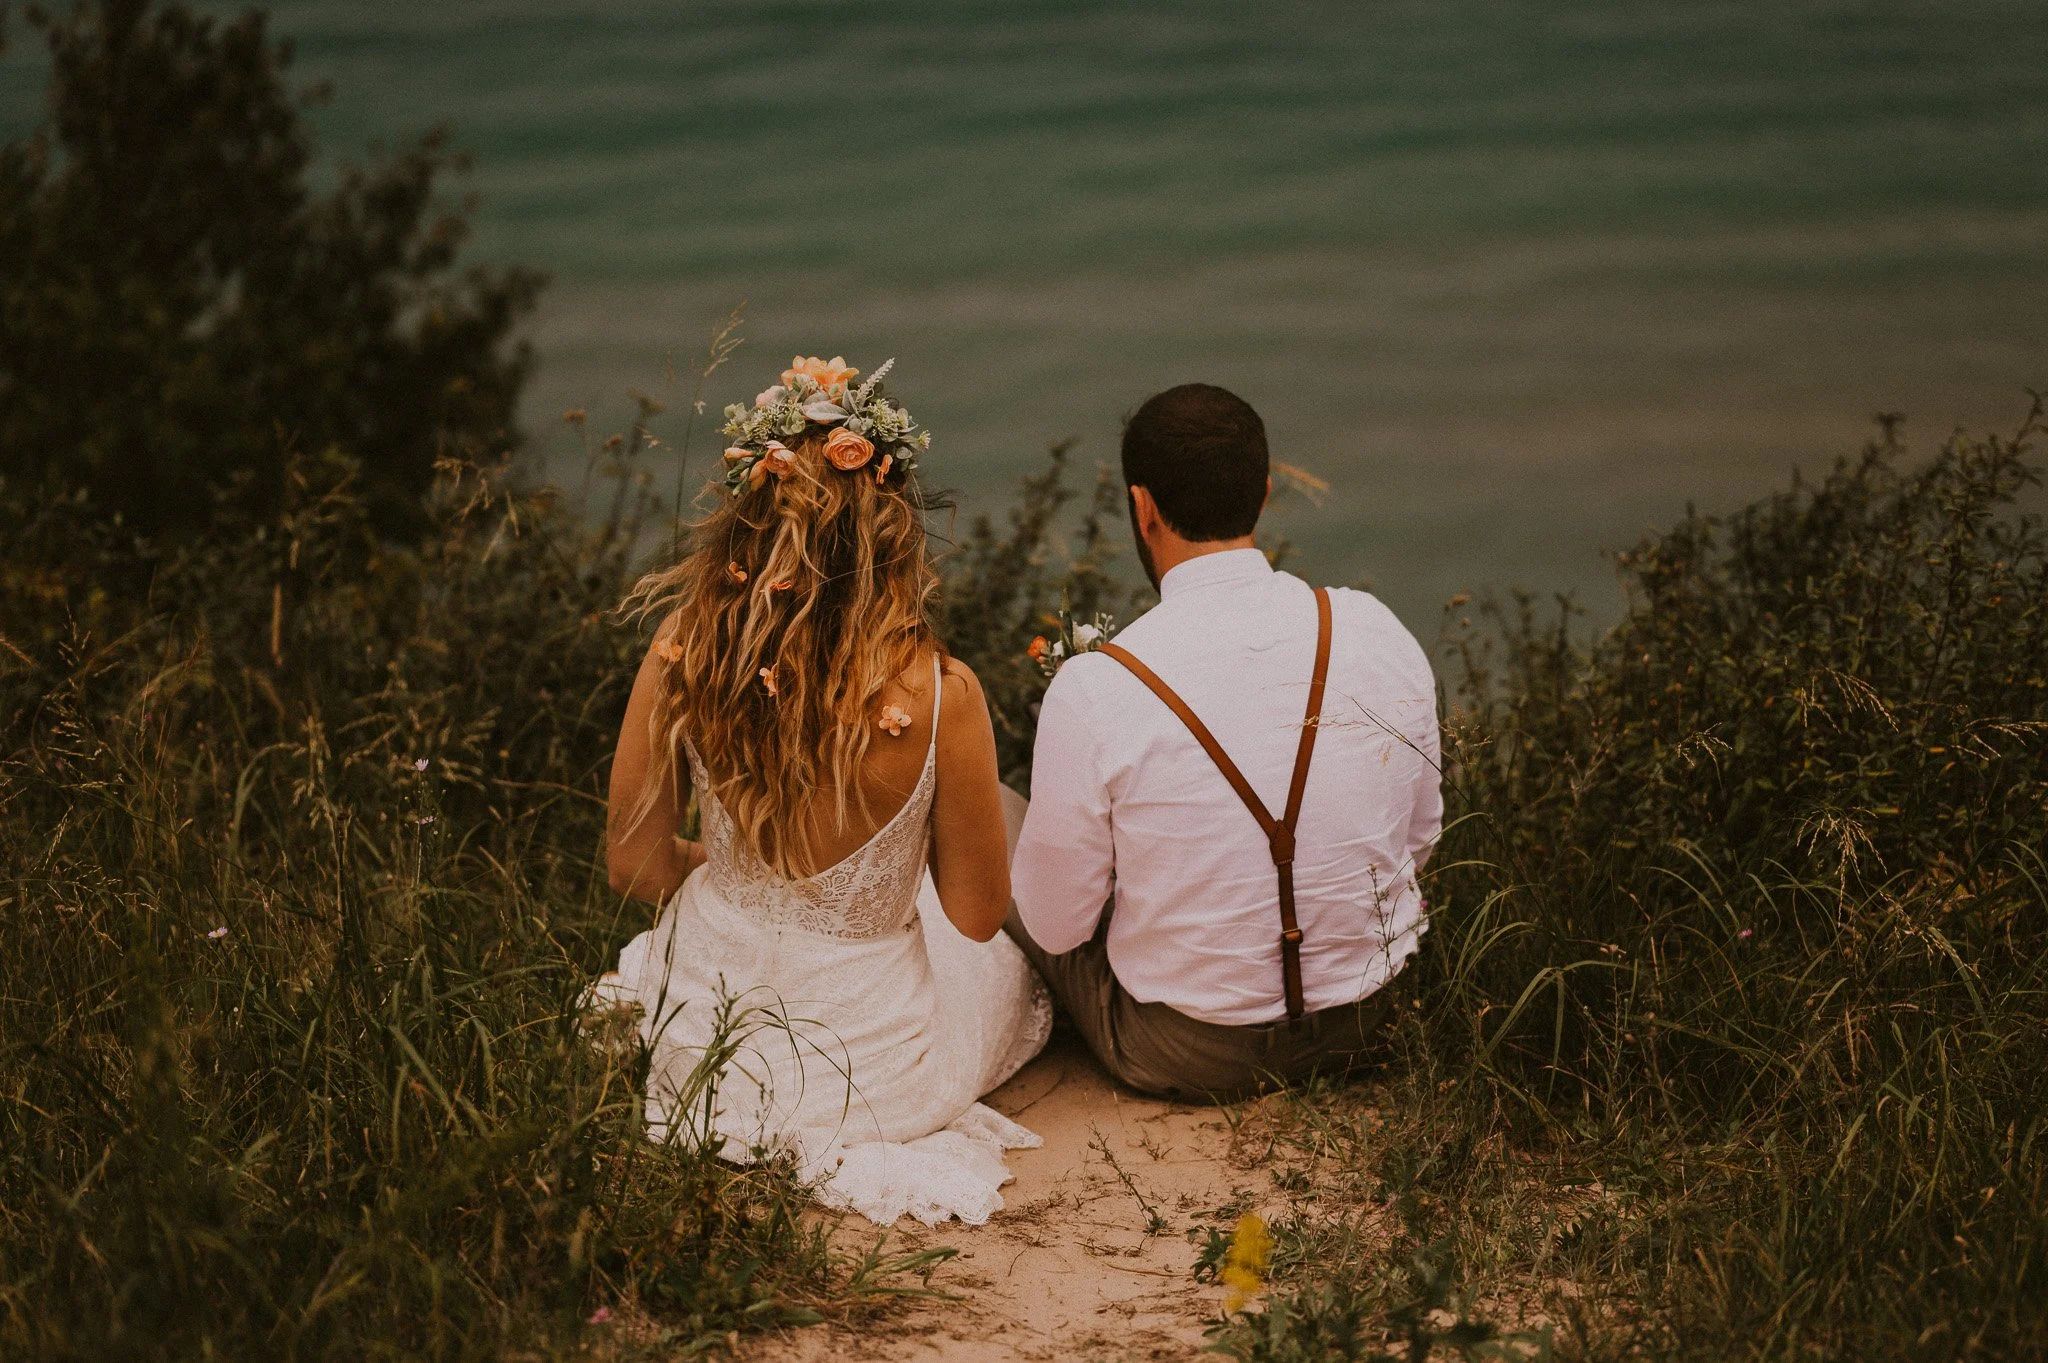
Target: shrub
[(179, 310), (1749, 896)]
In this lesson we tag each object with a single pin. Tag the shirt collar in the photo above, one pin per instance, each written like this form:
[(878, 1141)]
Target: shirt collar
[(1209, 570)]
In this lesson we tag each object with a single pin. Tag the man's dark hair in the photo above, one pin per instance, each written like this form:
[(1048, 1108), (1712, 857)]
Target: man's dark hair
[(1200, 451)]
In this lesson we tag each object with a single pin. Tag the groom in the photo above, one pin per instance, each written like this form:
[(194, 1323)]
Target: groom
[(1230, 803)]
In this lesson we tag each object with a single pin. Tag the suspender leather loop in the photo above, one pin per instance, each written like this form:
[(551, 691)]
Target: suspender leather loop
[(1279, 832)]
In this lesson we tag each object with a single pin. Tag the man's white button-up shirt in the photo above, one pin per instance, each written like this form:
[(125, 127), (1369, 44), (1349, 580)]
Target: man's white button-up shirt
[(1123, 798)]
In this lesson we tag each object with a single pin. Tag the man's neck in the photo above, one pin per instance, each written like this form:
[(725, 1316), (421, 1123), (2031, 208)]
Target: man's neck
[(1169, 550)]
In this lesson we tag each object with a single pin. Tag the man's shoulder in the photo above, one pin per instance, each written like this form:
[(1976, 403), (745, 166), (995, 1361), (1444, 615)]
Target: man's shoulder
[(1385, 636), (1072, 688)]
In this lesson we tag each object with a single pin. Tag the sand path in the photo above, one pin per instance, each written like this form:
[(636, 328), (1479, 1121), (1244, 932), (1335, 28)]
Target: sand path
[(1082, 1262)]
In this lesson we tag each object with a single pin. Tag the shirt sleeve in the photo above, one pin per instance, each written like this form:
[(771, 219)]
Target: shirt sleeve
[(1426, 823), (1066, 860)]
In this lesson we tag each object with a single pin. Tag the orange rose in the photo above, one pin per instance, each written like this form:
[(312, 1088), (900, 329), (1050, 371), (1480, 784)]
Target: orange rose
[(846, 451), (1037, 649), (827, 374)]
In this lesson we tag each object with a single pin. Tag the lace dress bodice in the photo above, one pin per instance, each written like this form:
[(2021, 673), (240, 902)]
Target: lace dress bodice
[(869, 893)]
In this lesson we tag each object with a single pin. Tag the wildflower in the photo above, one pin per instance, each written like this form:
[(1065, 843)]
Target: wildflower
[(419, 764), (600, 1315), (613, 442), (768, 397), (1461, 598), (782, 584), (1245, 1262), (1036, 650), (1084, 635), (1743, 933), (668, 649), (218, 933), (735, 572), (768, 679), (895, 719), (882, 469), (574, 416)]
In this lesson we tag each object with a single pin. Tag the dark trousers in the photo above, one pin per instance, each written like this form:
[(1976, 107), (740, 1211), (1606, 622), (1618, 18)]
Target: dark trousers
[(1159, 1050)]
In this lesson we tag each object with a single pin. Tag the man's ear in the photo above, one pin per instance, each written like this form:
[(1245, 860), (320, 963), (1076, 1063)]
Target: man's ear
[(1144, 511)]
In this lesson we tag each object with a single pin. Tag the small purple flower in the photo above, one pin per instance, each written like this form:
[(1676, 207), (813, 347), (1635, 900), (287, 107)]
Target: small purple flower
[(419, 764), (218, 933)]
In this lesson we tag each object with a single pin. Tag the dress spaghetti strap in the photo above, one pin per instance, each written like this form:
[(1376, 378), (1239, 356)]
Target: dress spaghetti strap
[(938, 694)]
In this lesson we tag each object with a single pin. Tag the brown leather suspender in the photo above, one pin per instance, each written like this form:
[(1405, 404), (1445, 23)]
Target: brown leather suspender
[(1279, 832)]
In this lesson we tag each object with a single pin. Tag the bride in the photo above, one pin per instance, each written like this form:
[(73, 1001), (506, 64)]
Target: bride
[(826, 977)]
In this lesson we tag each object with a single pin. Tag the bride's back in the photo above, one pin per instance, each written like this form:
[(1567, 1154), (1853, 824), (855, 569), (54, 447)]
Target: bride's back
[(796, 630), (886, 780), (797, 667)]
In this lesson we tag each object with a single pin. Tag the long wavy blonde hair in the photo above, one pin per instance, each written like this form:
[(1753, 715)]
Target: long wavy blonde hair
[(795, 605)]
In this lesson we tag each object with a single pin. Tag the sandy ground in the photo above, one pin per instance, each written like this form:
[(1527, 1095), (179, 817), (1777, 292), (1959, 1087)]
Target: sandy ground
[(1075, 1266)]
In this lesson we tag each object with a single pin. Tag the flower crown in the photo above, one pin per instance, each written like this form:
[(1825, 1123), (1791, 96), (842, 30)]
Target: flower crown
[(861, 426)]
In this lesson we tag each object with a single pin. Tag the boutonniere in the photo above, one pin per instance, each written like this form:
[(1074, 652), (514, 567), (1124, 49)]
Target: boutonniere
[(1069, 637)]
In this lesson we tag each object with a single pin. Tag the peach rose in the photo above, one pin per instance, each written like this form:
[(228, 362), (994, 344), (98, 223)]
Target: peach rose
[(846, 451), (827, 374)]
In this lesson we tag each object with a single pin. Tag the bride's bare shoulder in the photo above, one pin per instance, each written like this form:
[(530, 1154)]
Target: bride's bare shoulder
[(914, 683), (960, 681)]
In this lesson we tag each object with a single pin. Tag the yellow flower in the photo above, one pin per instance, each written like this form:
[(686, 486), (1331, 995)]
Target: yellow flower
[(827, 374), (1246, 1262)]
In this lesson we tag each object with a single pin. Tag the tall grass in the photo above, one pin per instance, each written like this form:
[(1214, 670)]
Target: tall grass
[(299, 899)]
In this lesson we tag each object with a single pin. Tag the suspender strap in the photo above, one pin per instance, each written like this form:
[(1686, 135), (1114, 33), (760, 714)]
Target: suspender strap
[(1279, 832)]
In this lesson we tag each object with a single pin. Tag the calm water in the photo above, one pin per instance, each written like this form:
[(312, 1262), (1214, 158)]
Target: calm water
[(1519, 279)]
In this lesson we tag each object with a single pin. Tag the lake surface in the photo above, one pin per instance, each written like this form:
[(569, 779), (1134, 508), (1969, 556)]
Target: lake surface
[(1519, 280)]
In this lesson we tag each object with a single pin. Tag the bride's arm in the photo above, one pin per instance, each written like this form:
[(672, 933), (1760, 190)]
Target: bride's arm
[(970, 854), (645, 858)]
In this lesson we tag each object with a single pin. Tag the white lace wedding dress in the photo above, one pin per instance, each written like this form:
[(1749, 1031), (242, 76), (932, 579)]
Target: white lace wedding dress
[(841, 1018)]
